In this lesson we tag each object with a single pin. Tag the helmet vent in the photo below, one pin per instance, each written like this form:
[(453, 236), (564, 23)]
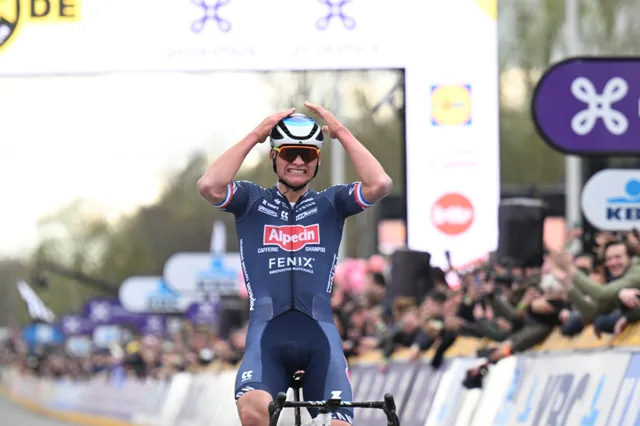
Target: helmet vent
[(275, 134)]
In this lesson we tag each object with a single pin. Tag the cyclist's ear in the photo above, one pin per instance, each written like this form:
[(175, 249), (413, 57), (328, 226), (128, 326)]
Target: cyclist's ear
[(272, 154)]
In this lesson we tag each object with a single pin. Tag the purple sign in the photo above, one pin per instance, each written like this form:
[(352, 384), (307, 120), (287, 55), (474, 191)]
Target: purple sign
[(75, 325), (111, 312), (203, 313), (154, 325), (590, 106)]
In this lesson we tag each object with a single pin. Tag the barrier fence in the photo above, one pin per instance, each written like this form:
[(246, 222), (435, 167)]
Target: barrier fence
[(596, 382)]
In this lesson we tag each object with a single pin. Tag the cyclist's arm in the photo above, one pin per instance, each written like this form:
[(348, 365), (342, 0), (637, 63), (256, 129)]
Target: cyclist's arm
[(214, 185), (376, 183)]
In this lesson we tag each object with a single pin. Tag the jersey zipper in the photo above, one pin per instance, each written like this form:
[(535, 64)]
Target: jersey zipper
[(292, 254)]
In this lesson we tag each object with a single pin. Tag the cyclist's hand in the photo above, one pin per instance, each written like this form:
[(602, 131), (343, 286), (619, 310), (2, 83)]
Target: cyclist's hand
[(264, 129), (333, 125)]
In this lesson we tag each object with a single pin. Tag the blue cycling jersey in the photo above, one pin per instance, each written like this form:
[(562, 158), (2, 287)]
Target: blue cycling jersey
[(289, 252)]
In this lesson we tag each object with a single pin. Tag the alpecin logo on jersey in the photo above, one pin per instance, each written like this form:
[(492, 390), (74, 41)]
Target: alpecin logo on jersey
[(291, 237)]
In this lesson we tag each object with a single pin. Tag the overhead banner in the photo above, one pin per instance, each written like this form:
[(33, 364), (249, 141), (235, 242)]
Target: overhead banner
[(96, 36), (451, 77)]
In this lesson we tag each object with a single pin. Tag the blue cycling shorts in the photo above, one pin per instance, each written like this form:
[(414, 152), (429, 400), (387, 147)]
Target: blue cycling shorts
[(290, 342)]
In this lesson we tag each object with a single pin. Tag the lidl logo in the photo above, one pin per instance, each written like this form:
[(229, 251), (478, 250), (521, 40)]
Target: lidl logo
[(451, 105), (16, 14)]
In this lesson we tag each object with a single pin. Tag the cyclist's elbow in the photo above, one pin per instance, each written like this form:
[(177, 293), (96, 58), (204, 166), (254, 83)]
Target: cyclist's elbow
[(210, 190), (378, 189)]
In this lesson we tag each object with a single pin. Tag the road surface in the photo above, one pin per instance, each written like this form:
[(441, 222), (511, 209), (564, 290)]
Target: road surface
[(14, 415)]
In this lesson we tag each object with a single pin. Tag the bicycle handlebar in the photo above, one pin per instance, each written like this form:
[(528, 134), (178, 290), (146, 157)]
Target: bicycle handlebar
[(338, 404), (388, 406)]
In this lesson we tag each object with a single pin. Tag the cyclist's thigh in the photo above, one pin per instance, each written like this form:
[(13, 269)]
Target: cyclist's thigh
[(327, 375), (261, 368)]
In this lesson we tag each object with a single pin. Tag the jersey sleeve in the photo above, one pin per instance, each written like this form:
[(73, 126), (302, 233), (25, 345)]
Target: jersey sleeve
[(240, 196), (348, 199)]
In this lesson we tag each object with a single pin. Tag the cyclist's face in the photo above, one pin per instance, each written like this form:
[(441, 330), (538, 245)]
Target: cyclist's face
[(296, 165)]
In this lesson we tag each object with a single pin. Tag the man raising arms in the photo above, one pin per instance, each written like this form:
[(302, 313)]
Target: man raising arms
[(289, 238)]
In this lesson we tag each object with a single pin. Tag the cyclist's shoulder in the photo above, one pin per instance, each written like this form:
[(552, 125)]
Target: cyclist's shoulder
[(327, 192), (314, 197), (334, 192), (254, 187)]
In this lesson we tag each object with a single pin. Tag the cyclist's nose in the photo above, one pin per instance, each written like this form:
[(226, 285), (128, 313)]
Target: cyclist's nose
[(298, 161)]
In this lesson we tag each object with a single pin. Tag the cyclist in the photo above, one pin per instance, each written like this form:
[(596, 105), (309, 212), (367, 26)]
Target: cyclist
[(289, 237)]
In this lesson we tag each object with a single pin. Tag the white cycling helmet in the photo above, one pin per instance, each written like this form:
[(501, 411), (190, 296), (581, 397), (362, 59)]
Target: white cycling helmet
[(297, 129)]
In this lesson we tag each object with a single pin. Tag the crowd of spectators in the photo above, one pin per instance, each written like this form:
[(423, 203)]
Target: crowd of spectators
[(191, 350), (516, 308)]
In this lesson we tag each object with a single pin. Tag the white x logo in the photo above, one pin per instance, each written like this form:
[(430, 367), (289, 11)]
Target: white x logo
[(599, 106), (71, 325), (154, 323), (205, 309), (100, 312)]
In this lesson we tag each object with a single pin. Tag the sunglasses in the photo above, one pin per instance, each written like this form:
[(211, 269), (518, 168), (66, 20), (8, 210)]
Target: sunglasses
[(291, 153)]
